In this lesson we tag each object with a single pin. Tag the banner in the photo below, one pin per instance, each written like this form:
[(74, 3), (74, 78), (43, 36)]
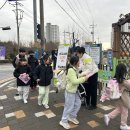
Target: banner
[(62, 57), (2, 53)]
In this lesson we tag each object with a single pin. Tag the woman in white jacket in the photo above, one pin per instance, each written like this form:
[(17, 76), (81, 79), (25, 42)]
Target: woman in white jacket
[(88, 64)]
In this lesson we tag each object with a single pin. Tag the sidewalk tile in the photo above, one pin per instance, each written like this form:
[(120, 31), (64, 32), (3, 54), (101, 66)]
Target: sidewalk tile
[(50, 115), (99, 115), (1, 107), (20, 114), (106, 108), (32, 98), (10, 115), (93, 124), (17, 98), (3, 97), (72, 125), (5, 128), (59, 105), (39, 114)]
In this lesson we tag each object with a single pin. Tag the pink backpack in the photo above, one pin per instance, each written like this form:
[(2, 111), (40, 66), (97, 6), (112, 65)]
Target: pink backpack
[(112, 91)]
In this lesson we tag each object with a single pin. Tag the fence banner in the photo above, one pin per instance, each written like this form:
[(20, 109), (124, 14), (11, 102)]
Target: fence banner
[(2, 53)]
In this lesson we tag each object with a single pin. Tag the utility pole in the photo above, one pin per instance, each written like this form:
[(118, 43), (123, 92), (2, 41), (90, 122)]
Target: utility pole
[(93, 33), (17, 24), (35, 20), (42, 24)]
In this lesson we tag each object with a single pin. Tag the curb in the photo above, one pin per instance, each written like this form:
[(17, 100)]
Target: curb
[(6, 80)]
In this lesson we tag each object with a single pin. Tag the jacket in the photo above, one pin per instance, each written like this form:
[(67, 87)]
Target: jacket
[(87, 63), (20, 70), (33, 62), (73, 81), (44, 73)]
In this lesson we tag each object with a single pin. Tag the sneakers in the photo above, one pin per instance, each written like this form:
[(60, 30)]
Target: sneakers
[(106, 120), (74, 120), (65, 125), (46, 106), (125, 127), (25, 101)]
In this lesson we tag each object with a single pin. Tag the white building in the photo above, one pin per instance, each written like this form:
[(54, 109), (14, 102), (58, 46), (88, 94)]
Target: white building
[(52, 33)]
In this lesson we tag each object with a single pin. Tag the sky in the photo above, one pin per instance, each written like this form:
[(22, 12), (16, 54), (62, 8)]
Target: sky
[(103, 14)]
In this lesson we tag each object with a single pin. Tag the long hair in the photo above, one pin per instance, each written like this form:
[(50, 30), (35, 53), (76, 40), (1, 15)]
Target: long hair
[(73, 61), (121, 72)]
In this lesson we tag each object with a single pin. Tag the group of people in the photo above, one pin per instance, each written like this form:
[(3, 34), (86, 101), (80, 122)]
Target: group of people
[(30, 73), (81, 69)]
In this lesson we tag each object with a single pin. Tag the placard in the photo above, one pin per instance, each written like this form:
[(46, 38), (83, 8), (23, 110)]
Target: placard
[(62, 57)]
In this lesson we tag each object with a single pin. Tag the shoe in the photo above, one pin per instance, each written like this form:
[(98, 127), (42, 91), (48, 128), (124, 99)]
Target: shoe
[(125, 127), (39, 103), (73, 120), (17, 94), (65, 125), (106, 120), (46, 106), (25, 101)]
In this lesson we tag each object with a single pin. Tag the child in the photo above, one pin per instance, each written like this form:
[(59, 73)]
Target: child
[(123, 103), (72, 99), (43, 74), (23, 73), (33, 63)]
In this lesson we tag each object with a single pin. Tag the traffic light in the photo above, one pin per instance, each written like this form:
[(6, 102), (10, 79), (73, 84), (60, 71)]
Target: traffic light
[(38, 31), (6, 28)]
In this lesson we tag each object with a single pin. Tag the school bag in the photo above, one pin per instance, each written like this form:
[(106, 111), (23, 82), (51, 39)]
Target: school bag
[(112, 91)]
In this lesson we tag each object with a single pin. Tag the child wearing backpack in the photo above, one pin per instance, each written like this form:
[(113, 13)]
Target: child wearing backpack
[(123, 103), (72, 99)]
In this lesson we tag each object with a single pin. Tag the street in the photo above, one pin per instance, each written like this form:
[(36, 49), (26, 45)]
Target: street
[(6, 71)]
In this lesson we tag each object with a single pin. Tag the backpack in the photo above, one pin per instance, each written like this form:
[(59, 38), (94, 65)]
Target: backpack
[(112, 91)]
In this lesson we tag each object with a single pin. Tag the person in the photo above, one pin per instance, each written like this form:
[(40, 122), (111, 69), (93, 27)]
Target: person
[(54, 58), (23, 74), (87, 63), (22, 54), (33, 63), (15, 62), (123, 103), (43, 75), (72, 99)]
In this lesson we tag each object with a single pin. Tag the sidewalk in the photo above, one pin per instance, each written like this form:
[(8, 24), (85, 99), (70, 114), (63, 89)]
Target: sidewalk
[(15, 115)]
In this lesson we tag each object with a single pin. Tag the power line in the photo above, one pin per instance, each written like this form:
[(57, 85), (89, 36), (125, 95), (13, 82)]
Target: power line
[(3, 4), (71, 17), (73, 10)]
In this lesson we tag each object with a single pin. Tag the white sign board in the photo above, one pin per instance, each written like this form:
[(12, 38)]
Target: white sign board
[(62, 57)]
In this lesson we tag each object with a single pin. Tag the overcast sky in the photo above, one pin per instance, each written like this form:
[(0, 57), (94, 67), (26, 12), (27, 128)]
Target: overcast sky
[(102, 12)]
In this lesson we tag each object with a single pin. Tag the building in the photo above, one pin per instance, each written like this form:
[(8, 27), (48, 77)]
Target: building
[(52, 33)]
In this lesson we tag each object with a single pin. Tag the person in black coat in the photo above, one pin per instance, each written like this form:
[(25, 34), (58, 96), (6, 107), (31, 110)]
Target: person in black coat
[(33, 63), (43, 74), (23, 74)]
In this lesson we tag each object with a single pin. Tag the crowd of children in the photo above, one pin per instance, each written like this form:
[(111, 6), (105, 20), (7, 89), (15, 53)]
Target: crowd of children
[(81, 69)]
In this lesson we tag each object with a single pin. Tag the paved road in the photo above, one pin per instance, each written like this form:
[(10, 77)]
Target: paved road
[(15, 115), (6, 71)]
